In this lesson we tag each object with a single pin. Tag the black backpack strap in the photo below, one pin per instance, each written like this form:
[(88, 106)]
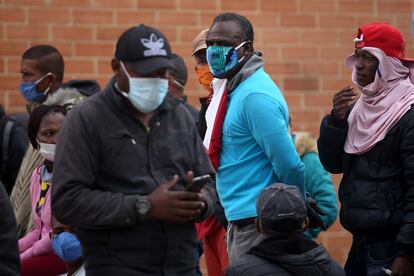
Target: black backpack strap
[(5, 144)]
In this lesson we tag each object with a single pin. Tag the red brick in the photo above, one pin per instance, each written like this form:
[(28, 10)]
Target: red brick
[(71, 3), (13, 48), (187, 34), (197, 5), (80, 66), (298, 53), (15, 99), (319, 37), (293, 99), (177, 18), (25, 2), (12, 14), (277, 36), (2, 65), (72, 33), (104, 66), (34, 31), (81, 16), (278, 6), (366, 19), (118, 4), (301, 84), (13, 65), (321, 69), (269, 53), (306, 116), (315, 99), (283, 68), (151, 4), (264, 19), (109, 33), (134, 18), (95, 49), (337, 21), (49, 15), (336, 53), (9, 82), (356, 7), (335, 84), (400, 7), (317, 6), (245, 5), (303, 21)]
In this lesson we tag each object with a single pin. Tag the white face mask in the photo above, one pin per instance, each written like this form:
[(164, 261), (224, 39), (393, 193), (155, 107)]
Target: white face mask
[(146, 94), (47, 151)]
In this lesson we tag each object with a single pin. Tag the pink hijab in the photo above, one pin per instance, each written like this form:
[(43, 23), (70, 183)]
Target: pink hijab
[(381, 104)]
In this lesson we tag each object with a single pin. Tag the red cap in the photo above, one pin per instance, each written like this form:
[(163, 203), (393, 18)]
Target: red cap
[(383, 36)]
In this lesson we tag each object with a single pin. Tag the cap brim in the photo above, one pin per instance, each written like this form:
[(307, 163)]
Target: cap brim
[(411, 60), (200, 47), (151, 65)]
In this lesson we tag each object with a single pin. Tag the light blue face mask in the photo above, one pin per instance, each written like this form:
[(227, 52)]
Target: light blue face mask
[(67, 247), (222, 59), (145, 94), (30, 92)]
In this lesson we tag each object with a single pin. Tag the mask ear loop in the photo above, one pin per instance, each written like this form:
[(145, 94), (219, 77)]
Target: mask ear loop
[(42, 78)]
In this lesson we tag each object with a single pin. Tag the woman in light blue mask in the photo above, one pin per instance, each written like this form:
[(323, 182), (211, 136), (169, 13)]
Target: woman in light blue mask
[(36, 253)]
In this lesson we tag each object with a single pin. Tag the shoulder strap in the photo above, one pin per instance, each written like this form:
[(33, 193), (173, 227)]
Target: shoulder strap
[(5, 146)]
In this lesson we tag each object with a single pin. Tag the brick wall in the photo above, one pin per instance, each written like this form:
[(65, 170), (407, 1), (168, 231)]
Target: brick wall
[(304, 44)]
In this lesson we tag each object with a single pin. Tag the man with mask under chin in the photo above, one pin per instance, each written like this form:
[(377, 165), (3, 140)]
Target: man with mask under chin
[(250, 145), (124, 159)]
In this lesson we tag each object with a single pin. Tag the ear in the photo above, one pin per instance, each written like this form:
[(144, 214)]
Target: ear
[(116, 67), (249, 47), (53, 80), (258, 227)]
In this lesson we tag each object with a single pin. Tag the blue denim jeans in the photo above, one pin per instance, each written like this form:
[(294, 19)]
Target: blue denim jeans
[(368, 258)]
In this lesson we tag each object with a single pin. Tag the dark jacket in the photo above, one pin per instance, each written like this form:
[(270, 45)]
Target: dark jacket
[(377, 187), (289, 255), (9, 253), (13, 145), (104, 159)]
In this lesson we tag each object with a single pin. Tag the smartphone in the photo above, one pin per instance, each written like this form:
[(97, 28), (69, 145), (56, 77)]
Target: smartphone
[(198, 183)]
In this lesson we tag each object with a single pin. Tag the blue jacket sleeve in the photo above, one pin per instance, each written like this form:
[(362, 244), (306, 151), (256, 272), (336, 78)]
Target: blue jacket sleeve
[(319, 185), (267, 120)]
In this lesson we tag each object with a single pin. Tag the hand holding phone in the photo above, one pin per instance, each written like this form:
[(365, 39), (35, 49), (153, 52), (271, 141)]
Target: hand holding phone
[(198, 183)]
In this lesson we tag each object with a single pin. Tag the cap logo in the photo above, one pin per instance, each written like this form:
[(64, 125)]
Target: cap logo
[(359, 39), (154, 45)]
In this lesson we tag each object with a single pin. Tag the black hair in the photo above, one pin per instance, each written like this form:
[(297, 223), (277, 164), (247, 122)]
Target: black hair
[(244, 24), (49, 60), (36, 118)]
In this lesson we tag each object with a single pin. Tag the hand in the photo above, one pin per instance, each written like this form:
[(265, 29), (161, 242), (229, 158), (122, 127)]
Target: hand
[(343, 100), (314, 213), (402, 266), (175, 205)]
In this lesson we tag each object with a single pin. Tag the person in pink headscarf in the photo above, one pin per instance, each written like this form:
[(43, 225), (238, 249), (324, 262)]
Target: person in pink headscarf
[(370, 139)]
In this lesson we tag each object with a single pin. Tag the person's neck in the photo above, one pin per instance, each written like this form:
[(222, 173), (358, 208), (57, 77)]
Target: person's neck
[(54, 88), (177, 93)]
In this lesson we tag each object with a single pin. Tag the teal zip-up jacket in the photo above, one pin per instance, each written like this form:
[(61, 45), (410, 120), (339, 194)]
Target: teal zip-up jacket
[(318, 181)]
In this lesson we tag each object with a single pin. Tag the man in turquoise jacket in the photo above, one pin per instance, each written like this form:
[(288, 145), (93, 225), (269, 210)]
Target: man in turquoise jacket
[(256, 149)]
